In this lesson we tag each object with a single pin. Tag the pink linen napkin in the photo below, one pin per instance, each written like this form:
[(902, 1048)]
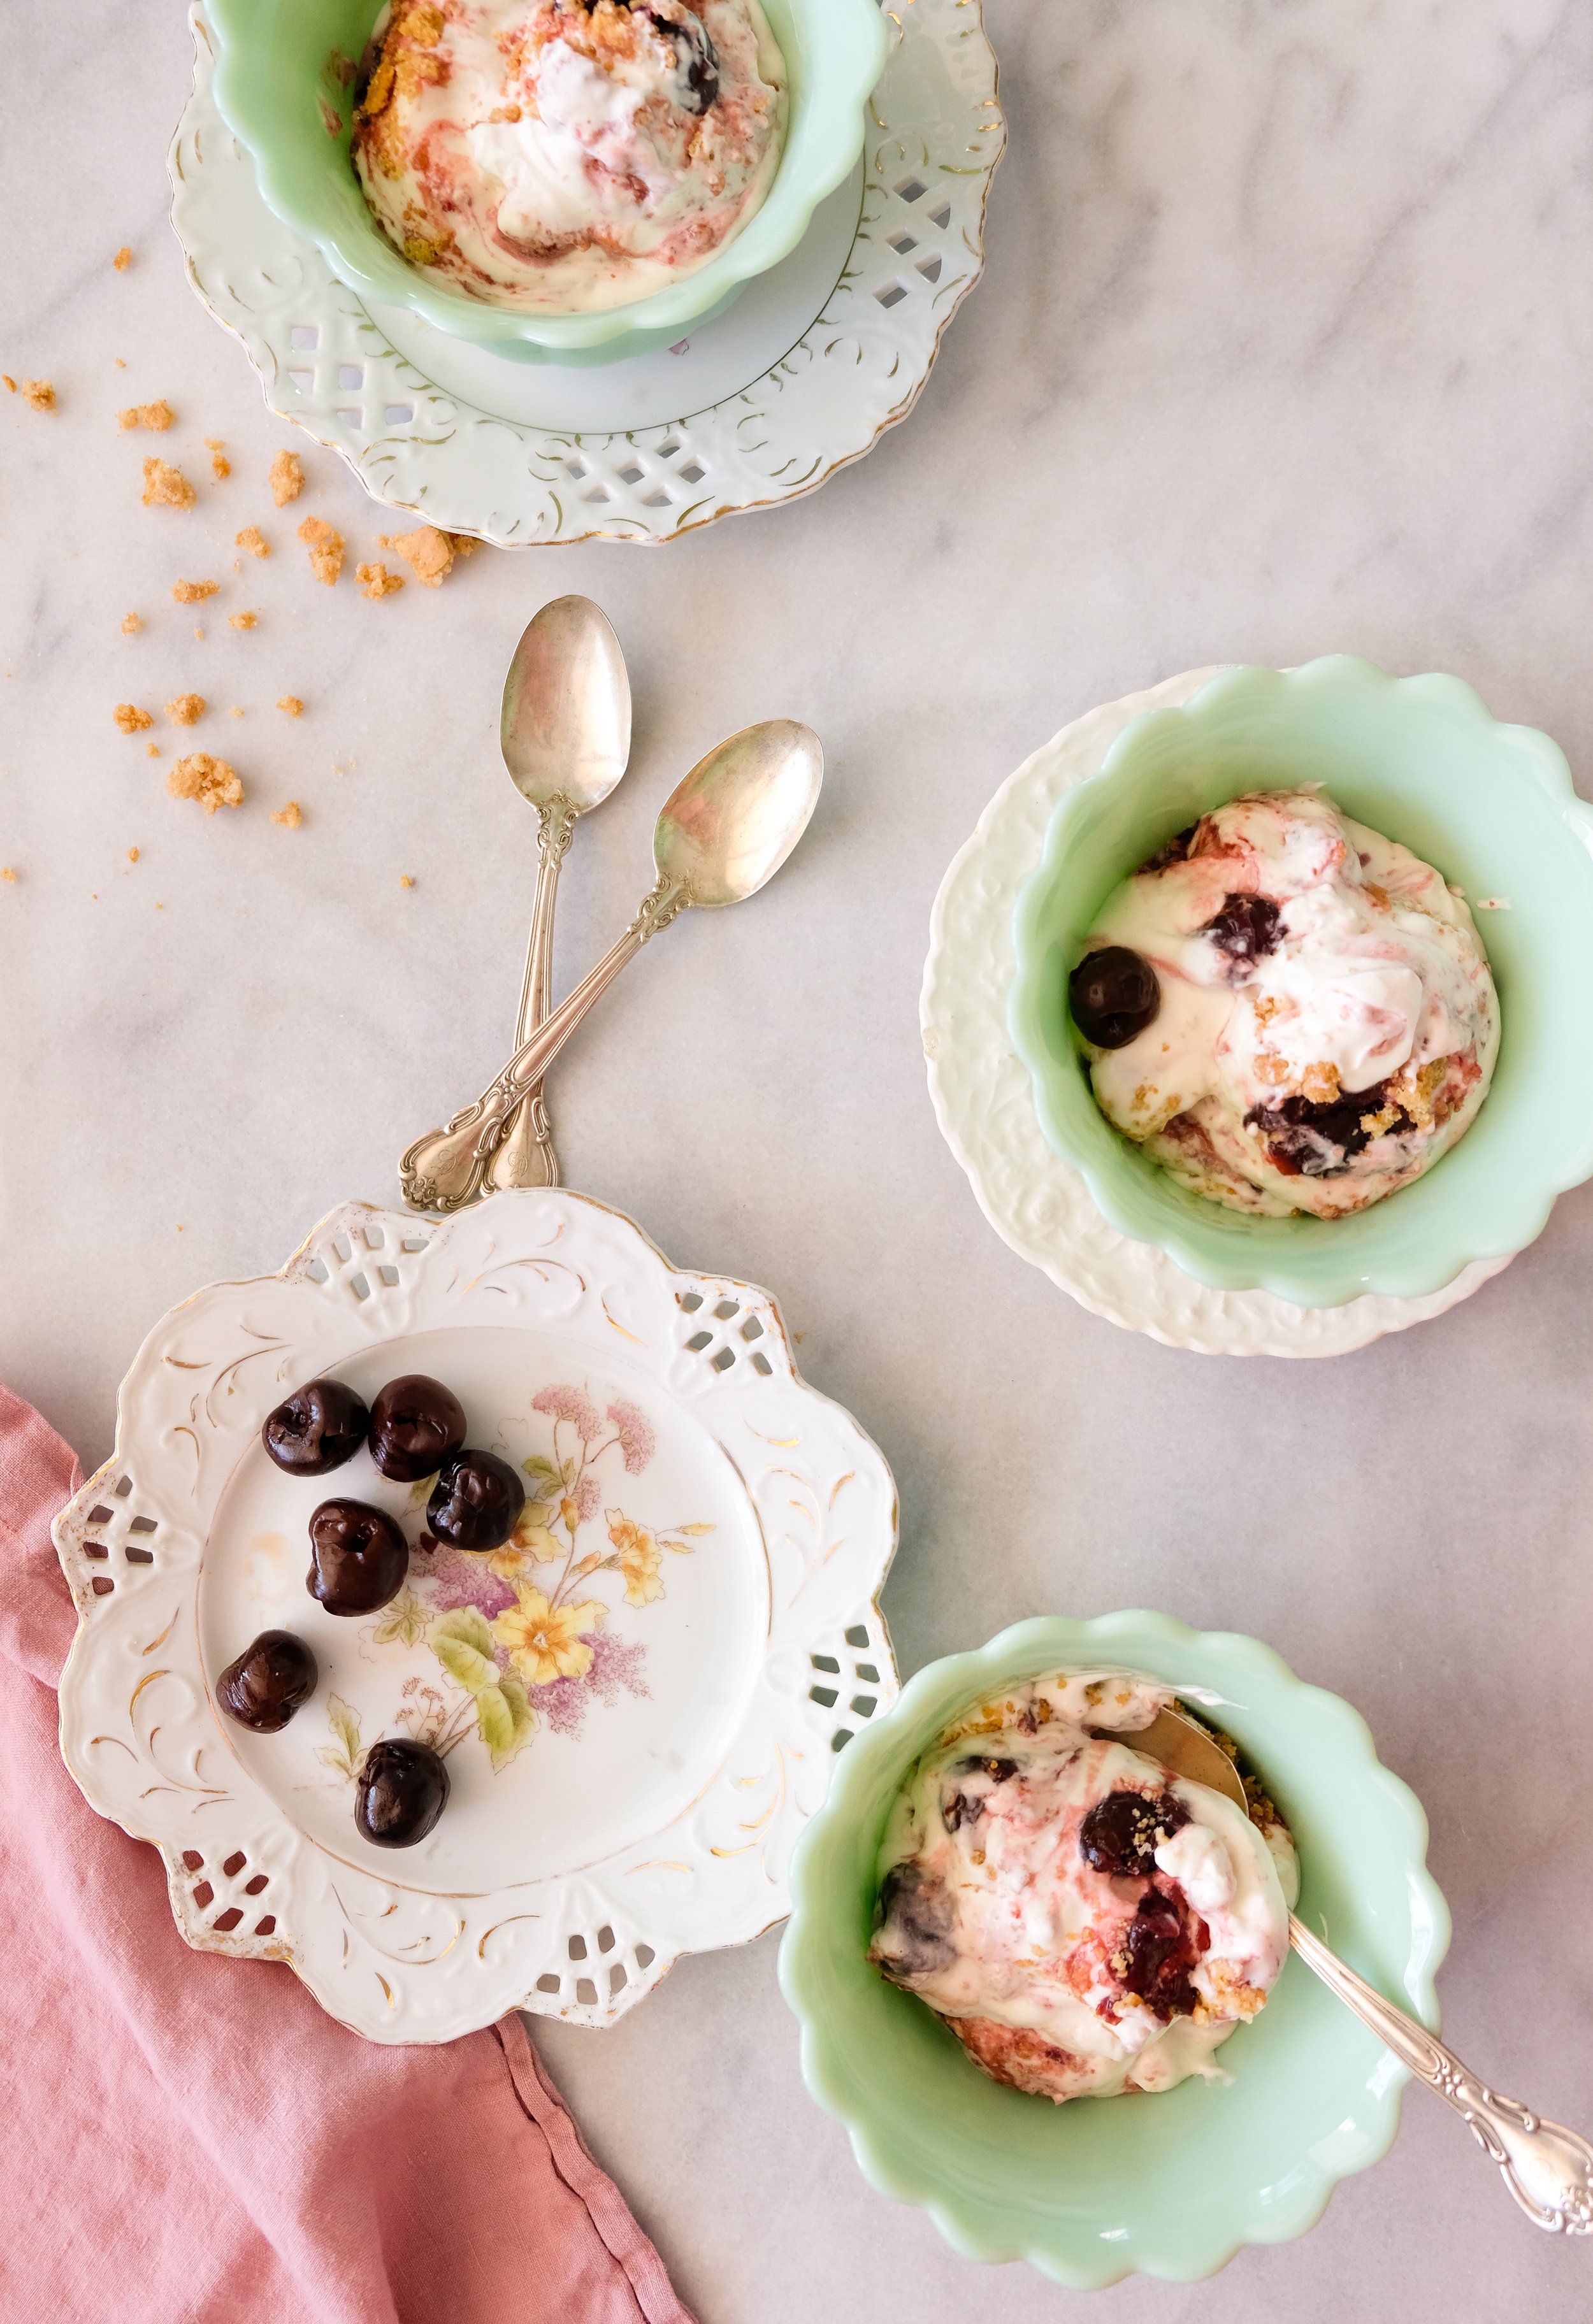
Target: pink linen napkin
[(188, 2140)]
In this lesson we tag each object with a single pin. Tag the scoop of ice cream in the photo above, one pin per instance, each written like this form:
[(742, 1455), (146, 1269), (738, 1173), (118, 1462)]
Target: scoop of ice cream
[(1313, 1024), (568, 156), (1085, 1921)]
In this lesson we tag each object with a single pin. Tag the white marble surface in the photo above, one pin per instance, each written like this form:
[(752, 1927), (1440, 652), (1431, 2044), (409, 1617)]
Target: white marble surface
[(1286, 345)]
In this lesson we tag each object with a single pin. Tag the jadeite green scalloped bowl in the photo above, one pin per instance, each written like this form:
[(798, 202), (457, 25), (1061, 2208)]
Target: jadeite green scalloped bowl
[(1173, 2184), (279, 93), (1420, 760)]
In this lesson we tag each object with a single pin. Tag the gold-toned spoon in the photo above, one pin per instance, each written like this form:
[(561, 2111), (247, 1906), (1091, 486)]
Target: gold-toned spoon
[(723, 833), (1548, 2169), (566, 733)]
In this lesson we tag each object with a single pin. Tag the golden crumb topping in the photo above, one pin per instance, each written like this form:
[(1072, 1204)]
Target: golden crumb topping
[(286, 478), (187, 710), (428, 553), (325, 545), (375, 581), (133, 855), (157, 415), (166, 487), (251, 540), (291, 815), (8, 875), (39, 394), (130, 718), (243, 621), (131, 625), (211, 781), (404, 880), (123, 259), (194, 593), (289, 704)]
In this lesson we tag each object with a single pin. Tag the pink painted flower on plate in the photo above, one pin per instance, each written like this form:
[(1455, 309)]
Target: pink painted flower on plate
[(570, 1404), (637, 1441)]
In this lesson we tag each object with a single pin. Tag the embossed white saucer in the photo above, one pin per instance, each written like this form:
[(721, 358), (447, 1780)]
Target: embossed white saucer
[(803, 375), (981, 1091), (693, 1592)]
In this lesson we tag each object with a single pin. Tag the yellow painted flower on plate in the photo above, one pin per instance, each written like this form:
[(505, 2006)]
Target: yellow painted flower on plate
[(544, 1641), (639, 1558)]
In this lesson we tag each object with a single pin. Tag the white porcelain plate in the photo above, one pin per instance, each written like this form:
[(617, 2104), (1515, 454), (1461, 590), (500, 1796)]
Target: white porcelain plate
[(804, 373), (639, 1698), (984, 1103)]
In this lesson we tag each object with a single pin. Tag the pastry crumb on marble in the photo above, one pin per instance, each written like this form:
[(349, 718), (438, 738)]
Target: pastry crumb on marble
[(428, 554), (165, 486), (39, 393), (130, 718), (291, 816), (133, 855), (375, 581), (211, 781), (220, 466), (286, 478), (186, 709), (8, 874), (123, 259), (152, 750), (325, 544), (290, 706), (131, 625), (193, 593), (404, 880), (157, 417), (251, 540), (243, 621)]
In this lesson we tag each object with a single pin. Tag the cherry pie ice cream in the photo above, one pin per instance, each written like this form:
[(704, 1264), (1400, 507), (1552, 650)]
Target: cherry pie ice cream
[(568, 156), (1288, 1011), (1084, 1921)]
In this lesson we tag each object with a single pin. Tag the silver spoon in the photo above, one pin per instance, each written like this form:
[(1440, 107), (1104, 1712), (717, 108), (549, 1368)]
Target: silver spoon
[(566, 732), (1548, 2169), (722, 834)]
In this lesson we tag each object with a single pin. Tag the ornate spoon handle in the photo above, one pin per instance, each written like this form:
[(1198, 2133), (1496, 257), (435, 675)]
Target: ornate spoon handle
[(527, 1156), (443, 1171), (1548, 2169)]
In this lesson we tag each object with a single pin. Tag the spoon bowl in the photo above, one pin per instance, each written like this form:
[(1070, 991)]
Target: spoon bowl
[(566, 721), (729, 825)]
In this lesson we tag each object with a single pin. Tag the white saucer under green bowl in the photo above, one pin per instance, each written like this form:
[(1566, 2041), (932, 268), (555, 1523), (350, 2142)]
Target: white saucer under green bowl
[(1422, 761), (1173, 2184)]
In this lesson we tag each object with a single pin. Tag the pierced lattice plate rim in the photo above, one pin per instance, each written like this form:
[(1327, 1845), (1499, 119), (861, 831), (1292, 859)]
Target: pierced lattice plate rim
[(984, 1103), (936, 133), (633, 1825)]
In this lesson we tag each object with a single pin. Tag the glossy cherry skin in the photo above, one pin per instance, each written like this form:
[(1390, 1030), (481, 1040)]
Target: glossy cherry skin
[(1114, 995), (318, 1427), (477, 1502), (416, 1425), (403, 1789), (269, 1681), (358, 1557), (1121, 1833)]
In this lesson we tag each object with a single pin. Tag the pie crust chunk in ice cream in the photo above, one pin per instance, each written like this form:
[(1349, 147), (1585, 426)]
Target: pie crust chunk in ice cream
[(1287, 1011), (568, 156), (1085, 1921)]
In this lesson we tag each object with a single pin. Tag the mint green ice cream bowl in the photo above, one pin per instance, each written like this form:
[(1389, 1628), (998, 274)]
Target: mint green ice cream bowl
[(283, 85), (1170, 2184), (1420, 760)]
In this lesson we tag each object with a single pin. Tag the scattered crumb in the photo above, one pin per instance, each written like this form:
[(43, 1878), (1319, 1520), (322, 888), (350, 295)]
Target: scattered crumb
[(121, 364), (187, 710), (194, 593), (198, 633), (243, 621), (404, 880), (210, 781), (220, 466), (375, 581), (133, 855), (131, 625), (130, 718), (253, 540), (286, 478), (235, 712), (428, 553), (463, 544), (10, 382), (8, 875), (291, 815), (152, 750), (289, 704), (123, 259), (157, 415), (325, 545), (161, 907), (166, 487), (39, 394)]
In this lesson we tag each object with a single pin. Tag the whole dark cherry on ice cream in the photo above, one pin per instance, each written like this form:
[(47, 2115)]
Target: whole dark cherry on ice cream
[(1114, 995)]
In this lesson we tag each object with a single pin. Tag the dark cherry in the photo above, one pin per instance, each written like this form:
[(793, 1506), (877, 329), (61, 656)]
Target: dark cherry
[(959, 1808), (269, 1681), (1121, 1833), (403, 1789), (321, 1425), (913, 1924), (476, 1501), (416, 1425), (688, 36), (358, 1557), (1173, 850), (1245, 929), (1306, 1138), (1165, 1940), (1114, 995)]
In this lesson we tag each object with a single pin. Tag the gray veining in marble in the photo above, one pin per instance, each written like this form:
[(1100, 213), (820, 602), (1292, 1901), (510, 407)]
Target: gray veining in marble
[(1286, 345)]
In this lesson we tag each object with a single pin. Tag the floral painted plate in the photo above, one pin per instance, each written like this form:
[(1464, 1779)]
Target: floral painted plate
[(640, 1697)]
